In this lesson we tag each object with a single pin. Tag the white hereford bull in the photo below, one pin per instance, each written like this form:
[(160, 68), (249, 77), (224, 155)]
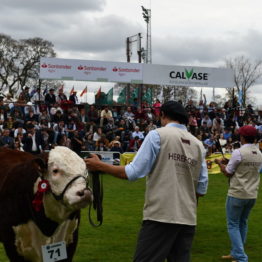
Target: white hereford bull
[(40, 201)]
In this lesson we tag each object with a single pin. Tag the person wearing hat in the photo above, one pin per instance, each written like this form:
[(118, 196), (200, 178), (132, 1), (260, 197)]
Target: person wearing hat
[(174, 162), (243, 171), (50, 98), (24, 96), (73, 98), (38, 100)]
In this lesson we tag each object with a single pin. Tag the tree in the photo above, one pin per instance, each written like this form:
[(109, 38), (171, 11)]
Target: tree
[(178, 93), (9, 53), (246, 73), (220, 100), (34, 49), (20, 61)]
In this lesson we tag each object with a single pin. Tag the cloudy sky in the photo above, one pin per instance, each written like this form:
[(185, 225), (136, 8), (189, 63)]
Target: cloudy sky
[(189, 32)]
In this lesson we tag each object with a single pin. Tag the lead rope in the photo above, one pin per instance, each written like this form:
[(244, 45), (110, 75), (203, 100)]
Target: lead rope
[(97, 187)]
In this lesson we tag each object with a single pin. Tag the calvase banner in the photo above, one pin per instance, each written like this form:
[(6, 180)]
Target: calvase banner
[(189, 76), (134, 73)]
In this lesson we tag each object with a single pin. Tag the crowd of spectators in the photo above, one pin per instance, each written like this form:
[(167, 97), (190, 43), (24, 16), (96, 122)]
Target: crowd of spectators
[(35, 123), (217, 127)]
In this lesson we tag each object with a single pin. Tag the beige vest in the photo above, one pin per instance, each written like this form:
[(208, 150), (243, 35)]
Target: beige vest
[(245, 181), (171, 186)]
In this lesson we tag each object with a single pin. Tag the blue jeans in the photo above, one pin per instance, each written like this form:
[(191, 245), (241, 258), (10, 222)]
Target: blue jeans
[(237, 216)]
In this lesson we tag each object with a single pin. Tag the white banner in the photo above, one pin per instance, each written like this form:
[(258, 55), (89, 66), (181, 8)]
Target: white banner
[(85, 70), (103, 71), (188, 76)]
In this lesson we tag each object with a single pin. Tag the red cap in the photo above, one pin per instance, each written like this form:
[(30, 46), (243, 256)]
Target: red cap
[(247, 131)]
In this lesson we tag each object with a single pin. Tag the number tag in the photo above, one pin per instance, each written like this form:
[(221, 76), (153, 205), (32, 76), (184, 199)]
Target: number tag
[(54, 252)]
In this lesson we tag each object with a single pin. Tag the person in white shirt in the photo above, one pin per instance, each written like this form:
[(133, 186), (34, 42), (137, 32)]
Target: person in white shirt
[(207, 120), (37, 99), (106, 114), (19, 130), (243, 171), (138, 133)]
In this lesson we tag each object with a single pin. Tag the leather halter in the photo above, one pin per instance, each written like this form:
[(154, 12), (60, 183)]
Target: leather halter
[(61, 196)]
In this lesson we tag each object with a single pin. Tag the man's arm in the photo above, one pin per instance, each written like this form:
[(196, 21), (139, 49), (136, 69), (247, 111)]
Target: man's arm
[(228, 167), (95, 164), (138, 168), (222, 167), (203, 178)]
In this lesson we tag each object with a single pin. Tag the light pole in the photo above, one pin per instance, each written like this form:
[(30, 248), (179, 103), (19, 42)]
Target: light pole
[(147, 17)]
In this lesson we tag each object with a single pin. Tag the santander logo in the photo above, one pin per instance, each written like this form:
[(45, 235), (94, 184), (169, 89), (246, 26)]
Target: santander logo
[(56, 66), (91, 68), (126, 70)]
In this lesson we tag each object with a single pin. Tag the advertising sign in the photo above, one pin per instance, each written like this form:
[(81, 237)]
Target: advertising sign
[(187, 76), (104, 71), (89, 70)]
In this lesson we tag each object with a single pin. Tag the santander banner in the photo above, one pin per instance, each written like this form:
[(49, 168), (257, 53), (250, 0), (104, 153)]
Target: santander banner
[(88, 70), (104, 71)]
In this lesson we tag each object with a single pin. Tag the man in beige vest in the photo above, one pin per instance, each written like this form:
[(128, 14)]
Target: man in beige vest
[(174, 162), (243, 171)]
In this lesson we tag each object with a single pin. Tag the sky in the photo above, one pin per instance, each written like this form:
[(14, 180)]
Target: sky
[(188, 33)]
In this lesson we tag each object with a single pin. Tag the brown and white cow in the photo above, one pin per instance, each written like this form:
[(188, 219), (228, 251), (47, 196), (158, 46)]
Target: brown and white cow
[(26, 224)]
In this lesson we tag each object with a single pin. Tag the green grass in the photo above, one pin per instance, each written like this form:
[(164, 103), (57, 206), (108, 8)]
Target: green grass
[(115, 240)]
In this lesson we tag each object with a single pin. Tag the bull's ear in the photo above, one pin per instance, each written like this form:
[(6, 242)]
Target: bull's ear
[(44, 157), (42, 163)]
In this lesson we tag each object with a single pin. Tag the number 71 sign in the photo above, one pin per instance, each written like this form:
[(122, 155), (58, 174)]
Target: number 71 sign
[(54, 252)]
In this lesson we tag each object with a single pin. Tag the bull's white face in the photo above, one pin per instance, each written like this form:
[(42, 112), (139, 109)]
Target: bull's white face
[(63, 166)]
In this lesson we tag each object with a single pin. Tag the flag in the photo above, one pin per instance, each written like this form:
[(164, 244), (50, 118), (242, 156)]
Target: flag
[(240, 97), (84, 91), (98, 94), (147, 97), (33, 91), (72, 90), (135, 93), (109, 97), (45, 90), (122, 96), (101, 100)]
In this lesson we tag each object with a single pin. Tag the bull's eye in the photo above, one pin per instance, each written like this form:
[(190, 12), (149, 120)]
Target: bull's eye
[(55, 171)]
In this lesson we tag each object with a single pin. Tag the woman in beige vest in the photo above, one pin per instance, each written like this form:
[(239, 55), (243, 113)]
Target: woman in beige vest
[(243, 171)]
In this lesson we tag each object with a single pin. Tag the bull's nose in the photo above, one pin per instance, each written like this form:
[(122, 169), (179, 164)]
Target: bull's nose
[(85, 194), (81, 193)]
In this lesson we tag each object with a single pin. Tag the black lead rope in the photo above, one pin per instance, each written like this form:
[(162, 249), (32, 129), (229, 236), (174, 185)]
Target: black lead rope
[(97, 187)]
